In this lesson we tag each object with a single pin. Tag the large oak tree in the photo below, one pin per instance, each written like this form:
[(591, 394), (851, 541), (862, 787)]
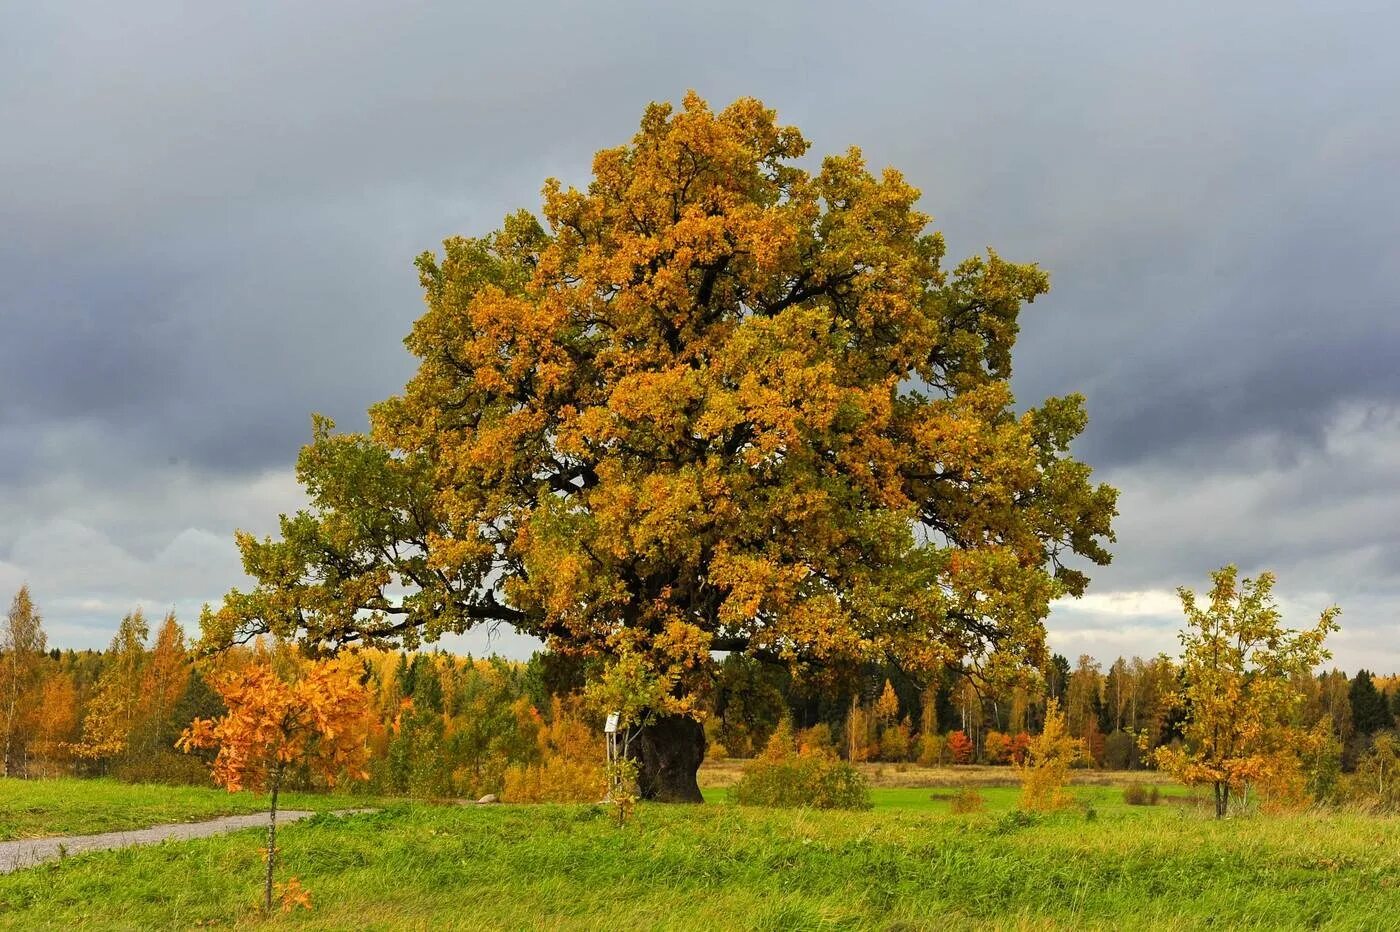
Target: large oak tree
[(713, 402)]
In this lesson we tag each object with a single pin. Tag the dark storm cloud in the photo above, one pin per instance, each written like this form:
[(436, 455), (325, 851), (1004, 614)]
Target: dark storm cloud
[(208, 216)]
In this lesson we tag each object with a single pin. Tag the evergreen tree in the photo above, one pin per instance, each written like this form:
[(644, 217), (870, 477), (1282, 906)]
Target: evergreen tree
[(1369, 711)]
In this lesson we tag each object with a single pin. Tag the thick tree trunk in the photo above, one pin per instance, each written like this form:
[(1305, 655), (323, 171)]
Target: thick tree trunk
[(668, 754)]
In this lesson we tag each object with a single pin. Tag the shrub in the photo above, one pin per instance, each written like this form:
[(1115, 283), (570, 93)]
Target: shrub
[(781, 778), (1091, 748), (1322, 763), (1137, 794), (966, 800), (556, 780), (861, 740)]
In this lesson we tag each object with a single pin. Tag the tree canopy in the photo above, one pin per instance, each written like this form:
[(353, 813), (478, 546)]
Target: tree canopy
[(714, 401)]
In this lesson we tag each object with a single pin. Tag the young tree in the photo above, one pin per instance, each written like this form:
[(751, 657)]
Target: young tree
[(56, 719), (715, 402), (319, 720), (1083, 699), (1239, 662), (167, 671), (113, 712), (960, 747), (1044, 769), (164, 676), (22, 646), (887, 706)]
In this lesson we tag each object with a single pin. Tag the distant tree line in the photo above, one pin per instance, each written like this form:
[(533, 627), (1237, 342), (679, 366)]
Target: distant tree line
[(451, 725)]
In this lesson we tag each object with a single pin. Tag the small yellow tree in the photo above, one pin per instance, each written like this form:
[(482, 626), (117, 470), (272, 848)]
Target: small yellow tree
[(1241, 667), (21, 649), (114, 710), (887, 706), (1045, 769)]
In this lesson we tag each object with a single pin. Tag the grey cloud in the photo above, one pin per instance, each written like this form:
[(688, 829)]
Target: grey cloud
[(208, 216)]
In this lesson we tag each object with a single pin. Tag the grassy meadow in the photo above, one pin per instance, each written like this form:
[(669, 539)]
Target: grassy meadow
[(907, 864)]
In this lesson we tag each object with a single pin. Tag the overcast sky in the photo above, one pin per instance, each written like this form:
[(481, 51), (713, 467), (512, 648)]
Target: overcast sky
[(208, 214)]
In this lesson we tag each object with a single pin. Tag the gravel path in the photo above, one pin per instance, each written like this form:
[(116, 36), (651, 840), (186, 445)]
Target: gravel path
[(27, 852)]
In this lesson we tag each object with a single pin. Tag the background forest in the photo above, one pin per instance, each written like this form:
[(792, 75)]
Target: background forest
[(458, 726)]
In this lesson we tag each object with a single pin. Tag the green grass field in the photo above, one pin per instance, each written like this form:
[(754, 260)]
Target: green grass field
[(908, 864), (68, 806)]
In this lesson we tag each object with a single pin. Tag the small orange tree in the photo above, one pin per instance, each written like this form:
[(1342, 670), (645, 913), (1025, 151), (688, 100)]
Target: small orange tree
[(318, 719), (960, 747)]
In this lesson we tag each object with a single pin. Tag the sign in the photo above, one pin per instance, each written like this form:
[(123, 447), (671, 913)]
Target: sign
[(611, 726)]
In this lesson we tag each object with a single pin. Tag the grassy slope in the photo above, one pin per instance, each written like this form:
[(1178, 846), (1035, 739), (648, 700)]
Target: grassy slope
[(720, 867), (68, 806)]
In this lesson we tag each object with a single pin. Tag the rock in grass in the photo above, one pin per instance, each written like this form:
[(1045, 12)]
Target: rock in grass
[(488, 799)]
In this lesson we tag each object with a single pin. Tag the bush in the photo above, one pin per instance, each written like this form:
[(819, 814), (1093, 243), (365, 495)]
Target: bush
[(782, 778), (1138, 794), (1283, 787), (967, 800)]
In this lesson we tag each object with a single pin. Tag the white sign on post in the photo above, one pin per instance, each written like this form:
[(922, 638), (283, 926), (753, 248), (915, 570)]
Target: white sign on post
[(611, 726)]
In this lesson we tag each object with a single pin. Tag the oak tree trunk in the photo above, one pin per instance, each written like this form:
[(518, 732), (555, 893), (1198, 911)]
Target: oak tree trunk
[(668, 754)]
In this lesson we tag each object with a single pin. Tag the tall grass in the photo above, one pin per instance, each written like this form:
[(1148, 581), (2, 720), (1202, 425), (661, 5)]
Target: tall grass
[(724, 866)]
